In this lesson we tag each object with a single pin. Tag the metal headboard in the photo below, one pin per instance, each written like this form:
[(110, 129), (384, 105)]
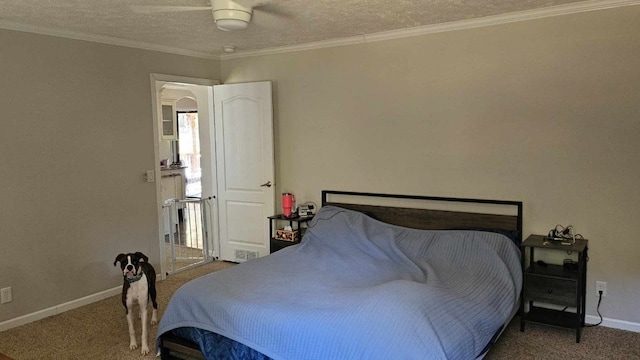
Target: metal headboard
[(430, 219)]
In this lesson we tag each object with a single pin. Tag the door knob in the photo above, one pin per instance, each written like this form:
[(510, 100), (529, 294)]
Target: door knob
[(267, 184)]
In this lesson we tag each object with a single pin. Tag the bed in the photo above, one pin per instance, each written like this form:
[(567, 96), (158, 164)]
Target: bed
[(376, 276)]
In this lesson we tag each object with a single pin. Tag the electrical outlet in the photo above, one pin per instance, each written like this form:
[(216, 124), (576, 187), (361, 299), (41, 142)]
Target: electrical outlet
[(601, 286), (5, 295)]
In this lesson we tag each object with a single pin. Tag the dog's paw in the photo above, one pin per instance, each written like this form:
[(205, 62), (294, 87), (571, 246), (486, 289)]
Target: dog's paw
[(133, 346), (154, 321), (144, 350)]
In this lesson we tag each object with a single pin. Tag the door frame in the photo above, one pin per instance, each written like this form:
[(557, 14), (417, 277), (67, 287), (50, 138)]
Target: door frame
[(157, 81)]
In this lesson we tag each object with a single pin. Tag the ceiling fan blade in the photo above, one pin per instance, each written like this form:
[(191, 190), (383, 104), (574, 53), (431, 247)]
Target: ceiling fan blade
[(273, 9), (252, 3), (141, 9)]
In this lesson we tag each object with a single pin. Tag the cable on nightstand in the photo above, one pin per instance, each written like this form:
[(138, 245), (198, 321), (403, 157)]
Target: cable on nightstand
[(598, 310), (567, 233)]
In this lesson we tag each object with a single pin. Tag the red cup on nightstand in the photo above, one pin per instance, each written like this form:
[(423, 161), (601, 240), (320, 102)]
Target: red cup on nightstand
[(287, 204)]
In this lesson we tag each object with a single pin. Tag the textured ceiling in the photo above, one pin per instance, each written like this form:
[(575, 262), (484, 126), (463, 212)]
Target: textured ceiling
[(298, 21)]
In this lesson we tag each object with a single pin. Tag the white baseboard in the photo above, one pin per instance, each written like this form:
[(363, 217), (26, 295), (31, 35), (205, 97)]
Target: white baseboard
[(613, 323), (55, 310), (58, 309)]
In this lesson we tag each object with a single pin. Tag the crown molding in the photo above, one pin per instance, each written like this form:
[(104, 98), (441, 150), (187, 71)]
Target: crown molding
[(109, 40), (579, 7), (574, 8)]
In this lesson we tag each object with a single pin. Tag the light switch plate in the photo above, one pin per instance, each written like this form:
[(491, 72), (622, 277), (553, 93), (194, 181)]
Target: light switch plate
[(150, 176)]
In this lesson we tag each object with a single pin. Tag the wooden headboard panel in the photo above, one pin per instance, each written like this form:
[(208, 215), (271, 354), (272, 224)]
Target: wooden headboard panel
[(428, 219)]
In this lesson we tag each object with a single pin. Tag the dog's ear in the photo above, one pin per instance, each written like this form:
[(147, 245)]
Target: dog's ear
[(118, 258), (143, 257)]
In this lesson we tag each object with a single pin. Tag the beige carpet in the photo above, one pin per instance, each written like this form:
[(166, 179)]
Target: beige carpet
[(99, 331), (549, 343), (95, 331)]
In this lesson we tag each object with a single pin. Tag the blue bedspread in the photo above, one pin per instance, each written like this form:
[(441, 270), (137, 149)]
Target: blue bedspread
[(357, 288)]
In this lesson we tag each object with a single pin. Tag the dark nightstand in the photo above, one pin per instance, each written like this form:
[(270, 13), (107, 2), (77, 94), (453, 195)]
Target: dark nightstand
[(554, 284), (294, 222)]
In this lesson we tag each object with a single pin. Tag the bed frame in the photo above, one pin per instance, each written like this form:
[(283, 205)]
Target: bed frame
[(418, 216), (426, 219)]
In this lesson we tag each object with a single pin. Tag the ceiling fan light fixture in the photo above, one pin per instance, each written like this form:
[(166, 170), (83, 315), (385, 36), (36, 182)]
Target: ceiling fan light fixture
[(231, 19), (231, 24)]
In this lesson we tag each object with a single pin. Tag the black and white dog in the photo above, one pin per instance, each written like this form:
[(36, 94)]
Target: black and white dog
[(139, 285)]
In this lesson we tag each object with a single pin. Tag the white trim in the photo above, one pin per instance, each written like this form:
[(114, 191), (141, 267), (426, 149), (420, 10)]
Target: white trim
[(360, 39), (103, 39), (184, 79), (58, 309), (613, 323), (526, 15), (518, 16), (74, 304), (583, 6)]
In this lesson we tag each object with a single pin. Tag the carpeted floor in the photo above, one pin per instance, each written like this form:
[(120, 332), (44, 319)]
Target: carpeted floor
[(96, 331), (549, 343), (99, 331)]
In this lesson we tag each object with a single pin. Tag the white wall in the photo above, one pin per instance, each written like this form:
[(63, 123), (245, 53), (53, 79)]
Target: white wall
[(543, 111), (75, 140)]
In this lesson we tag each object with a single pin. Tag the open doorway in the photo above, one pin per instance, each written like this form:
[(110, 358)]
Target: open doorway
[(237, 163), (181, 176), (189, 151), (186, 178)]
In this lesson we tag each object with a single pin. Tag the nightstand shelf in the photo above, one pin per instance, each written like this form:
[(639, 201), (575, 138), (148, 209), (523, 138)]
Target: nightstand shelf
[(295, 223), (557, 318), (553, 284), (554, 271)]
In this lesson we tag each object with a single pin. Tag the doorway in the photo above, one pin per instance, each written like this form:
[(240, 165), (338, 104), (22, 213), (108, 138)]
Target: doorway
[(191, 181), (236, 162), (188, 153), (184, 209)]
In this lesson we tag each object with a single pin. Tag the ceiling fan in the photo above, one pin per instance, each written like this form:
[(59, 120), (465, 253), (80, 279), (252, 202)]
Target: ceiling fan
[(229, 15)]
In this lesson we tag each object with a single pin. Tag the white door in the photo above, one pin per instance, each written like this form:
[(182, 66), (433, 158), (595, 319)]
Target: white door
[(245, 163)]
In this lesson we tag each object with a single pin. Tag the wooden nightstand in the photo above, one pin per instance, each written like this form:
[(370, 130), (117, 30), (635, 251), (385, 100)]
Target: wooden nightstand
[(554, 284)]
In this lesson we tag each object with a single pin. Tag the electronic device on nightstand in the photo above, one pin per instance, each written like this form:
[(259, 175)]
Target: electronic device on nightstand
[(306, 209), (563, 235)]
